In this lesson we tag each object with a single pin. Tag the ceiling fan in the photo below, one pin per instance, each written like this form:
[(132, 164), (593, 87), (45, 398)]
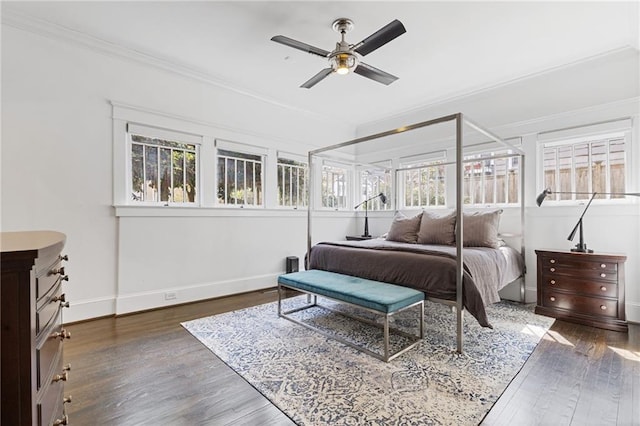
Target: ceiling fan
[(345, 57)]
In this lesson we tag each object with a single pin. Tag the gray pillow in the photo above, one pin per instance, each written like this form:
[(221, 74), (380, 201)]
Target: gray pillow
[(480, 229), (436, 228), (404, 229)]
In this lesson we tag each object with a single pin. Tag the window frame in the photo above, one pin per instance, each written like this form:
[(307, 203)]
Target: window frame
[(301, 163), (348, 185), (414, 163), (606, 131), (238, 148)]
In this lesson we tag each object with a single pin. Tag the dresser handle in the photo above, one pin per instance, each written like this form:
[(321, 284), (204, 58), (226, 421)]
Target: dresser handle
[(64, 376), (553, 299), (63, 421), (61, 298), (59, 271), (62, 334), (552, 269), (64, 304), (67, 367), (602, 307), (66, 400), (552, 282), (603, 265), (603, 288), (552, 261), (603, 275), (65, 278), (64, 257)]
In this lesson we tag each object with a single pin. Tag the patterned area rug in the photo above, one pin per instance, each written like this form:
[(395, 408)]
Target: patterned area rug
[(316, 380)]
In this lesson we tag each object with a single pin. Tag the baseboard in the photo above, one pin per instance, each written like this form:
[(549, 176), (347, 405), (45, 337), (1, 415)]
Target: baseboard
[(134, 302), (88, 309), (633, 312)]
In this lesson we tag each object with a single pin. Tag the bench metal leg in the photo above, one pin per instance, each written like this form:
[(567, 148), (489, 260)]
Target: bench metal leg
[(386, 356)]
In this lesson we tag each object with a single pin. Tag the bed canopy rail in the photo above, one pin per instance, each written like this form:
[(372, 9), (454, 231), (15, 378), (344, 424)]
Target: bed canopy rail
[(461, 122)]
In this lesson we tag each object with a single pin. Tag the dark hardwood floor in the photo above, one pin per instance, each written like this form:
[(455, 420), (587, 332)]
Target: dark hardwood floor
[(145, 369)]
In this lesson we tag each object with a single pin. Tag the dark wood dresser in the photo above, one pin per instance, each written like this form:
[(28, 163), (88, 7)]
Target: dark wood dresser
[(586, 288), (31, 303)]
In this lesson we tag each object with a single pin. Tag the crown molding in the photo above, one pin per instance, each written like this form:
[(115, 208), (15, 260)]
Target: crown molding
[(95, 44)]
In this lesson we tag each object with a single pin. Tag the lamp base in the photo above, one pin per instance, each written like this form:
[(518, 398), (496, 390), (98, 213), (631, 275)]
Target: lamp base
[(581, 249)]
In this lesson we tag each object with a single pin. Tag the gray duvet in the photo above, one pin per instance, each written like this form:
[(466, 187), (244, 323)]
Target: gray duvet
[(429, 268)]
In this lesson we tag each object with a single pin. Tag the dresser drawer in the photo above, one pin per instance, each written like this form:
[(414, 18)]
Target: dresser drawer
[(46, 282), (48, 309), (50, 405), (577, 268), (592, 288), (580, 304), (47, 354)]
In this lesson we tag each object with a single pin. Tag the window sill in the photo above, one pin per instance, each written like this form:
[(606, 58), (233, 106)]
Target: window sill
[(191, 211)]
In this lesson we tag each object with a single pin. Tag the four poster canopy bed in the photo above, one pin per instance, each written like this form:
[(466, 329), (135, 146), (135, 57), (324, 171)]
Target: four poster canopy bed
[(454, 255)]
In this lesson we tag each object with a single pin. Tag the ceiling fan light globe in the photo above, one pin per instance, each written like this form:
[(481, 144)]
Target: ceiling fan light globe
[(343, 63)]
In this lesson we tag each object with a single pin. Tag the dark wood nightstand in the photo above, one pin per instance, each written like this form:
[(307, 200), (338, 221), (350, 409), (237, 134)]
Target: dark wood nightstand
[(357, 238), (586, 288)]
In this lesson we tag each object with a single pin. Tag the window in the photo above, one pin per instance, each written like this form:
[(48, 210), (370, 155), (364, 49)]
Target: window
[(424, 184), (334, 186), (293, 187), (376, 181), (162, 171), (239, 178), (492, 179), (587, 165)]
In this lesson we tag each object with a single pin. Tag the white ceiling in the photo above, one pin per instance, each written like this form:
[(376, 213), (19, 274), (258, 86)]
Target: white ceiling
[(449, 49)]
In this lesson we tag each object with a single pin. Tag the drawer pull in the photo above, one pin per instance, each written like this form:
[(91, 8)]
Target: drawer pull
[(64, 278), (604, 308), (59, 271), (603, 265), (67, 367), (552, 282), (603, 288), (552, 269), (64, 376), (64, 304), (66, 400), (64, 257), (62, 334), (552, 261), (63, 421), (553, 299), (61, 298), (603, 275)]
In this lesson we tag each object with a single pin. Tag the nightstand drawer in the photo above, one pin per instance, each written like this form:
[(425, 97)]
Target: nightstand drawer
[(587, 269), (592, 288), (580, 304)]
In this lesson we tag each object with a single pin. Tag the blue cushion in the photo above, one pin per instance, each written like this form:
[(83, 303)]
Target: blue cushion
[(376, 295)]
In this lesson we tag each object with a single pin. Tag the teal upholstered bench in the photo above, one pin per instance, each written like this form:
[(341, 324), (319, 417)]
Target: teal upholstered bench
[(373, 296)]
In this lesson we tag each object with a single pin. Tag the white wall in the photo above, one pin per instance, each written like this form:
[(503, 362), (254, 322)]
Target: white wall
[(597, 90), (57, 162)]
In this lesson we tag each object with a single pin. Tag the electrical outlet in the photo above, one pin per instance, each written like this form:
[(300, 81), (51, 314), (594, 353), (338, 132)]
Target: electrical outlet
[(170, 295)]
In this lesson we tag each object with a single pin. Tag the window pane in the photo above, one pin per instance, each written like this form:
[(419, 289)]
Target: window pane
[(165, 174), (565, 164), (617, 166), (151, 173), (549, 168), (178, 177), (158, 170), (581, 164), (599, 166), (190, 186), (230, 187), (137, 172)]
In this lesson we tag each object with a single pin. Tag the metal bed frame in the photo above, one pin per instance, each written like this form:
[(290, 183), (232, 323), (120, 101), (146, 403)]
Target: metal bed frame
[(460, 120)]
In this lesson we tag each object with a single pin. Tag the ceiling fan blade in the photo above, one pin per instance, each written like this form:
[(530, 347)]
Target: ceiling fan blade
[(300, 46), (375, 74), (381, 37), (317, 78)]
